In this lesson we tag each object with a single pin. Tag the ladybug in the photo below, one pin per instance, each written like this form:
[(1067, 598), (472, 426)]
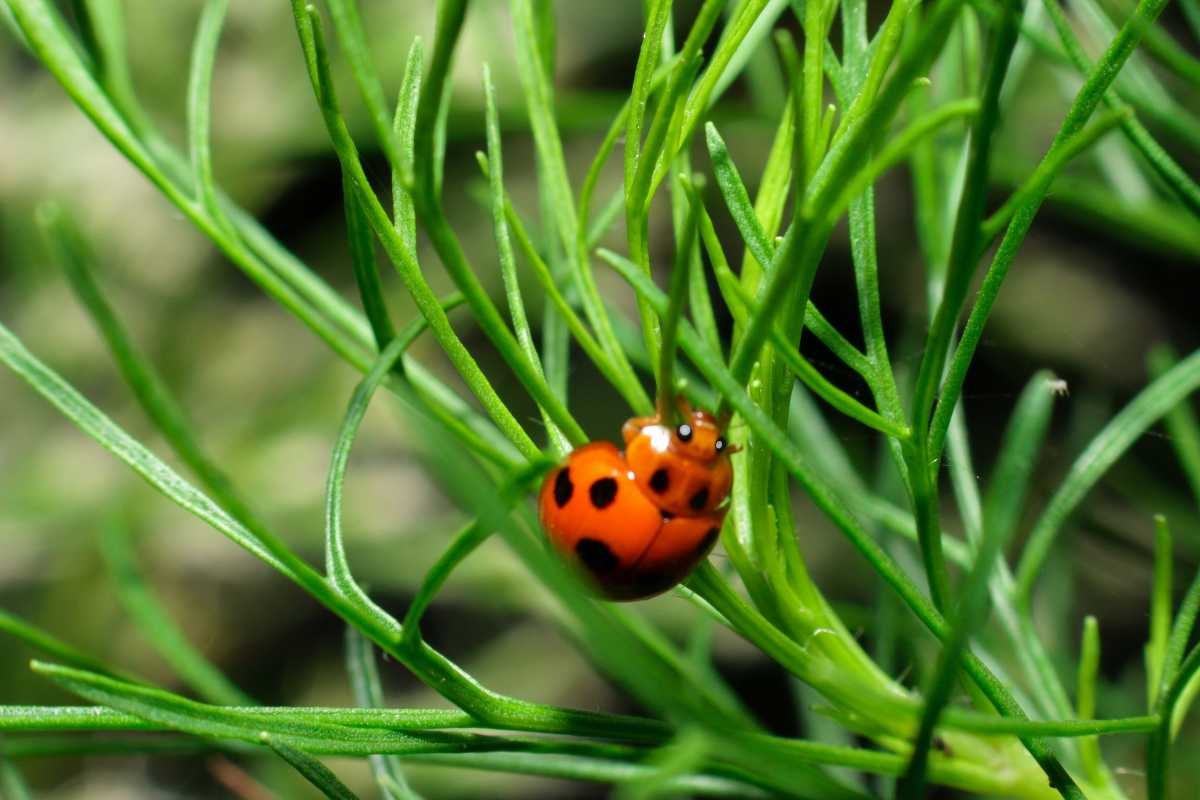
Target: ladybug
[(636, 523)]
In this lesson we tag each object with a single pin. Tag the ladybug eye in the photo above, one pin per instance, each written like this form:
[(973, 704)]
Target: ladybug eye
[(720, 445), (684, 432)]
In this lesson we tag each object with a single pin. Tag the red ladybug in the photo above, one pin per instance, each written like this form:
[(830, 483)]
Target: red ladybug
[(636, 523)]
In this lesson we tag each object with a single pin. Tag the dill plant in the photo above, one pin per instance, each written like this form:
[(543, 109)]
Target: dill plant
[(856, 105)]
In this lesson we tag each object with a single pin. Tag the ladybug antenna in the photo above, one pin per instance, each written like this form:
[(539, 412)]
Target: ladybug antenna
[(667, 409)]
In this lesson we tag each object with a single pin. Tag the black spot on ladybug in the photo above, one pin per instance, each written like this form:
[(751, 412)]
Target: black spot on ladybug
[(699, 499), (709, 540), (649, 583), (596, 556), (660, 481), (603, 492), (666, 515), (563, 488)]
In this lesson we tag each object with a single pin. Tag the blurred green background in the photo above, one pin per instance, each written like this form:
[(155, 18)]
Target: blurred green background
[(1087, 299)]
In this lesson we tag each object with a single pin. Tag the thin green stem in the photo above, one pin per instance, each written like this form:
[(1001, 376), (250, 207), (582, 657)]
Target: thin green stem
[(677, 297), (1160, 609), (1089, 664), (1132, 32), (1159, 747), (208, 34), (1163, 394), (508, 264), (363, 673)]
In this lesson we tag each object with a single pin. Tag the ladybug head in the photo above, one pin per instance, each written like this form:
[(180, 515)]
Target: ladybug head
[(700, 437)]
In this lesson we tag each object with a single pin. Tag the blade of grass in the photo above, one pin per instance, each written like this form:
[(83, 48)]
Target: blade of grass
[(586, 237), (802, 368), (581, 768), (1151, 404), (204, 51), (337, 565), (680, 756), (1008, 488), (817, 19), (103, 34), (628, 385), (737, 199), (704, 93), (861, 224), (537, 41), (1048, 169), (179, 713), (313, 736), (368, 693), (658, 13), (1181, 423), (404, 124), (156, 624), (1158, 749), (960, 270), (676, 297), (1036, 190), (1023, 438), (508, 264), (464, 543), (349, 30), (366, 270), (535, 73), (1160, 609), (1134, 29), (99, 718), (736, 294), (899, 147), (1157, 225), (1181, 631), (1089, 663), (313, 771), (661, 146), (775, 184), (699, 298), (48, 644)]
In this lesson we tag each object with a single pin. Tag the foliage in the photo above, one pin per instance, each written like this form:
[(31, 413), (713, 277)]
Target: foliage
[(897, 98)]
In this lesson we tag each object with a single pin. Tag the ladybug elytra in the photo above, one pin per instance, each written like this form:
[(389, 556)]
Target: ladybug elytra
[(636, 523)]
